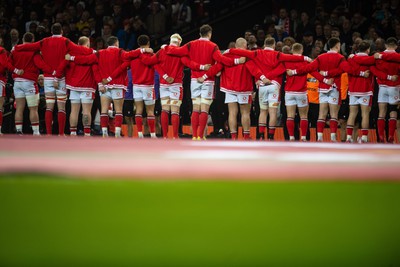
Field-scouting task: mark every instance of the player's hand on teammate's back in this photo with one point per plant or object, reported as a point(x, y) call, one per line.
point(68, 57)
point(20, 72)
point(170, 80)
point(395, 78)
point(200, 79)
point(290, 72)
point(102, 89)
point(207, 66)
point(242, 60)
point(377, 56)
point(266, 81)
point(367, 73)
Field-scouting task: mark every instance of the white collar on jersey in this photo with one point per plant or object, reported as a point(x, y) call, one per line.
point(331, 51)
point(268, 48)
point(389, 51)
point(204, 39)
point(112, 46)
point(361, 54)
point(56, 35)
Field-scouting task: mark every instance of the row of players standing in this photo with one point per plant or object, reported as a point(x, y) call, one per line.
point(108, 68)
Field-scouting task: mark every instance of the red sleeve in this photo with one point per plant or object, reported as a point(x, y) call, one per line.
point(86, 60)
point(131, 55)
point(214, 70)
point(97, 73)
point(367, 60)
point(61, 68)
point(291, 58)
point(313, 66)
point(346, 67)
point(78, 49)
point(253, 69)
point(243, 53)
point(391, 57)
point(378, 73)
point(217, 56)
point(29, 47)
point(178, 51)
point(120, 69)
point(277, 71)
point(190, 64)
point(317, 76)
point(149, 60)
point(39, 63)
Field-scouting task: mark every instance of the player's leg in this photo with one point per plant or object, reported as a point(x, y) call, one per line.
point(195, 89)
point(398, 123)
point(273, 102)
point(149, 102)
point(291, 106)
point(232, 101)
point(139, 107)
point(19, 113)
point(33, 103)
point(383, 100)
point(365, 111)
point(334, 106)
point(302, 105)
point(75, 99)
point(262, 119)
point(245, 119)
point(61, 95)
point(117, 96)
point(50, 95)
point(176, 97)
point(207, 94)
point(352, 118)
point(105, 100)
point(394, 95)
point(87, 99)
point(165, 110)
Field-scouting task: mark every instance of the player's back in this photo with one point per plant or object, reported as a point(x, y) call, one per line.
point(142, 74)
point(53, 50)
point(296, 82)
point(389, 67)
point(109, 59)
point(202, 50)
point(237, 77)
point(329, 61)
point(3, 62)
point(24, 60)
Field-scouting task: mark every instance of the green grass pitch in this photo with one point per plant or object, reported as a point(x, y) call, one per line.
point(52, 221)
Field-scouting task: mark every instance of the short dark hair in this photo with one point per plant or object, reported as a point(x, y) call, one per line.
point(112, 40)
point(364, 46)
point(391, 41)
point(56, 28)
point(143, 40)
point(269, 41)
point(332, 42)
point(205, 29)
point(28, 37)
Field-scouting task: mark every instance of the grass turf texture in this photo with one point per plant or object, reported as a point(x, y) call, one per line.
point(69, 222)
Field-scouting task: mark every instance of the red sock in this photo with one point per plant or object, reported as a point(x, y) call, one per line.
point(290, 126)
point(271, 132)
point(86, 130)
point(333, 125)
point(246, 135)
point(234, 135)
point(261, 128)
point(349, 130)
point(202, 123)
point(139, 123)
point(364, 132)
point(175, 123)
point(151, 121)
point(164, 122)
point(118, 120)
point(104, 120)
point(320, 126)
point(304, 127)
point(392, 128)
point(62, 118)
point(49, 121)
point(195, 123)
point(381, 129)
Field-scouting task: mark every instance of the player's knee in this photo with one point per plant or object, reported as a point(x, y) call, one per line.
point(176, 103)
point(206, 101)
point(32, 100)
point(62, 98)
point(149, 102)
point(165, 102)
point(273, 105)
point(196, 101)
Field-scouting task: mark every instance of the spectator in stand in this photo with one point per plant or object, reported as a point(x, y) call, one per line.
point(327, 31)
point(98, 17)
point(359, 23)
point(280, 34)
point(139, 28)
point(33, 16)
point(126, 36)
point(260, 37)
point(284, 21)
point(138, 10)
point(84, 21)
point(181, 14)
point(379, 45)
point(308, 43)
point(117, 17)
point(346, 34)
point(99, 44)
point(252, 43)
point(106, 33)
point(279, 46)
point(315, 52)
point(155, 21)
point(289, 41)
point(13, 41)
point(319, 32)
point(304, 26)
point(320, 43)
point(247, 34)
